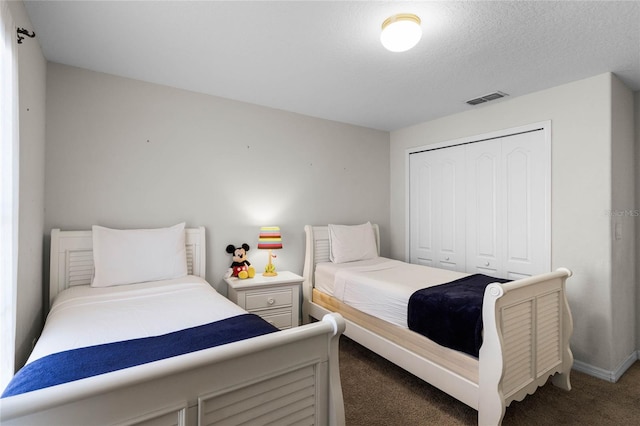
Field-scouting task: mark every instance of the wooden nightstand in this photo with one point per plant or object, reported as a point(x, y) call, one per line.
point(276, 299)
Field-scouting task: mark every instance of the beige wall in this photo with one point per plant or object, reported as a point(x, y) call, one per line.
point(124, 153)
point(581, 116)
point(32, 77)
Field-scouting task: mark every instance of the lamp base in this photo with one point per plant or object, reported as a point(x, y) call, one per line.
point(270, 269)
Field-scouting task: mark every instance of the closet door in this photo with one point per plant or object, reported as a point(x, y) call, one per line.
point(422, 225)
point(484, 207)
point(508, 206)
point(526, 204)
point(437, 220)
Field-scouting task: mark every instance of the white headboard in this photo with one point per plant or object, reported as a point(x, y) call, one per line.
point(72, 258)
point(317, 250)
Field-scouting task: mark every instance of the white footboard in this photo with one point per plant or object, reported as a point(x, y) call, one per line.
point(527, 327)
point(283, 377)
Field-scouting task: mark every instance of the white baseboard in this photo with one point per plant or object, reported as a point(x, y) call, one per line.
point(610, 376)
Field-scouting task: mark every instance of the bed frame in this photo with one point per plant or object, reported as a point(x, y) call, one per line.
point(289, 376)
point(527, 326)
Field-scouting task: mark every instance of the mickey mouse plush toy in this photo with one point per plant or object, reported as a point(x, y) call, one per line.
point(240, 267)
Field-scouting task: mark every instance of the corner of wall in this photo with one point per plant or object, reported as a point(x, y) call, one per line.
point(637, 208)
point(32, 104)
point(623, 222)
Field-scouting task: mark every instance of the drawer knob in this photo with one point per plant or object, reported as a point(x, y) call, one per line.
point(271, 301)
point(486, 264)
point(446, 258)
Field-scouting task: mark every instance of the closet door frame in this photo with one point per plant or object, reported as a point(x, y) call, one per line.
point(543, 126)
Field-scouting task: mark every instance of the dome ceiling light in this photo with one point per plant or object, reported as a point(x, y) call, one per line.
point(401, 32)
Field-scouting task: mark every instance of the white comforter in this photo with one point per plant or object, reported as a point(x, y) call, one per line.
point(380, 287)
point(83, 316)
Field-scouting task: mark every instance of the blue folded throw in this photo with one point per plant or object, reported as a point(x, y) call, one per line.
point(450, 314)
point(90, 361)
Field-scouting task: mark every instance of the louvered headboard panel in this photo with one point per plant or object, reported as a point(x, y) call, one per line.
point(320, 244)
point(72, 258)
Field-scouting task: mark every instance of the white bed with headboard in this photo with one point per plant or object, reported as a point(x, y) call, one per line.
point(289, 375)
point(526, 330)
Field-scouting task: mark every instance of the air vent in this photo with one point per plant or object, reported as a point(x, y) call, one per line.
point(487, 98)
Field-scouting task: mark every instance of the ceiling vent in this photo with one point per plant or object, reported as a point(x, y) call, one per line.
point(487, 98)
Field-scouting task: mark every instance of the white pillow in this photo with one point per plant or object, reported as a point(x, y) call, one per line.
point(351, 243)
point(138, 255)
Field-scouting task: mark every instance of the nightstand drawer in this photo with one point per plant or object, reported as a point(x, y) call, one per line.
point(272, 299)
point(281, 319)
point(276, 299)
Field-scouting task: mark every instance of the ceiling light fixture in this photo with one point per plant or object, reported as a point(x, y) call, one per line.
point(401, 32)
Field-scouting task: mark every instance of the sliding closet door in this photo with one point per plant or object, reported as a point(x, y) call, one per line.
point(484, 210)
point(526, 205)
point(508, 206)
point(422, 187)
point(436, 213)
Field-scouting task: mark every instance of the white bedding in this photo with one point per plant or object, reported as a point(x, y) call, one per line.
point(83, 316)
point(380, 287)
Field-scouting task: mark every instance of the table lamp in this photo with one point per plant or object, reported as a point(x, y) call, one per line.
point(270, 239)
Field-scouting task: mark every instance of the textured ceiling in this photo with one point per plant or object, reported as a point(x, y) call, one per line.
point(324, 58)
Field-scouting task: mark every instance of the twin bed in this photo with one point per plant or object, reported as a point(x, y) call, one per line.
point(146, 340)
point(135, 337)
point(523, 326)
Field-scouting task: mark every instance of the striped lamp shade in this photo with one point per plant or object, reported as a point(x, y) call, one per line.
point(270, 238)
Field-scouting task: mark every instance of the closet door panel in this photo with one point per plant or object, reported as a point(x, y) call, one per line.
point(421, 216)
point(484, 215)
point(437, 221)
point(450, 209)
point(518, 236)
point(526, 222)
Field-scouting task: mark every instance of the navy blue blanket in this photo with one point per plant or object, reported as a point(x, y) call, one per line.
point(80, 363)
point(451, 314)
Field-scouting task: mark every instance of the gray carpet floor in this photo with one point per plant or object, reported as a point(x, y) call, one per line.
point(376, 392)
